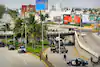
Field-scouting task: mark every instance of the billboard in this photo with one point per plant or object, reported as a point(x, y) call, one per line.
point(41, 5)
point(23, 9)
point(88, 18)
point(75, 19)
point(27, 9)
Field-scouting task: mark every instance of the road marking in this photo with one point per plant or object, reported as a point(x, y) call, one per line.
point(25, 62)
point(77, 54)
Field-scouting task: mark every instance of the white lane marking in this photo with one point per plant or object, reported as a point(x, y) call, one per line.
point(25, 62)
point(22, 59)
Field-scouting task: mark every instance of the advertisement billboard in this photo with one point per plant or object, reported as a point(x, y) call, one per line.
point(72, 19)
point(23, 10)
point(41, 5)
point(88, 18)
point(26, 9)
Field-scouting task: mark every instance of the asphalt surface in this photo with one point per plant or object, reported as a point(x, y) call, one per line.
point(13, 59)
point(91, 42)
point(58, 61)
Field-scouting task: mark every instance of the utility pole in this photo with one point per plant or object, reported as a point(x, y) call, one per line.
point(80, 25)
point(25, 36)
point(42, 19)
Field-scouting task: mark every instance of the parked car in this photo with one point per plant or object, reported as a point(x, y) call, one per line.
point(80, 62)
point(56, 49)
point(2, 44)
point(11, 47)
point(22, 49)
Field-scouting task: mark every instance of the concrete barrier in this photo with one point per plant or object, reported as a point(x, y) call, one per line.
point(84, 47)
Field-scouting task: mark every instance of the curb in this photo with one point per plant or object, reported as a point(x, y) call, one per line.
point(38, 58)
point(44, 51)
point(44, 54)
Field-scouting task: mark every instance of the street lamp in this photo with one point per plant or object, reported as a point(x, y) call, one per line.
point(6, 33)
point(25, 34)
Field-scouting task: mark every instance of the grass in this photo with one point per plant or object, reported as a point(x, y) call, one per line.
point(36, 50)
point(45, 42)
point(50, 23)
point(79, 24)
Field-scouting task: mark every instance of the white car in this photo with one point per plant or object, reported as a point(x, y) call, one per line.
point(22, 49)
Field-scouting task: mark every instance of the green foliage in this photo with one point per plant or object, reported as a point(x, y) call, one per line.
point(13, 13)
point(42, 17)
point(47, 15)
point(50, 23)
point(33, 29)
point(36, 50)
point(45, 42)
point(2, 10)
point(19, 28)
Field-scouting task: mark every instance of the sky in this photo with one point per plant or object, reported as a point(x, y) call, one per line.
point(65, 3)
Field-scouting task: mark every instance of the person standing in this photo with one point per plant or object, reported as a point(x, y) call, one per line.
point(46, 57)
point(65, 57)
point(40, 56)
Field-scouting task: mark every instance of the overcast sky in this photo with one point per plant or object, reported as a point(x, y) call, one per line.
point(67, 3)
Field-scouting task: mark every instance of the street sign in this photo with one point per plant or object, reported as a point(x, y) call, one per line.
point(41, 5)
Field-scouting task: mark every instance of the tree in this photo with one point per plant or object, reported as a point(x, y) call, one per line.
point(7, 27)
point(19, 27)
point(2, 10)
point(13, 13)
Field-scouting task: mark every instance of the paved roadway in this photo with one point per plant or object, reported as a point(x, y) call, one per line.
point(73, 52)
point(91, 41)
point(13, 59)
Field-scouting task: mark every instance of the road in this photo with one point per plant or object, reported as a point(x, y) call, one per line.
point(13, 59)
point(73, 52)
point(91, 41)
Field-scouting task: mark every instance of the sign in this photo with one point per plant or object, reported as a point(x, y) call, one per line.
point(72, 19)
point(23, 10)
point(41, 4)
point(88, 18)
point(27, 9)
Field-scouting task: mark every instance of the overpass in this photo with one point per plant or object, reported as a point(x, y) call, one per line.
point(62, 35)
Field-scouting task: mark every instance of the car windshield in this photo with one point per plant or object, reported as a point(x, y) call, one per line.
point(22, 47)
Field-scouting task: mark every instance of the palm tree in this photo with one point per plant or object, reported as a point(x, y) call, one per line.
point(19, 28)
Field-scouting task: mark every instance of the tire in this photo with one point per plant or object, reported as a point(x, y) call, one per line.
point(53, 51)
point(57, 52)
point(83, 64)
point(66, 51)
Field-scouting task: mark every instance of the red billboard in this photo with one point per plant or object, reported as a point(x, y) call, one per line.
point(71, 19)
point(24, 9)
point(27, 8)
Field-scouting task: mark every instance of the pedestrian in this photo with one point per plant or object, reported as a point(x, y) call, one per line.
point(40, 56)
point(76, 61)
point(46, 57)
point(91, 59)
point(65, 57)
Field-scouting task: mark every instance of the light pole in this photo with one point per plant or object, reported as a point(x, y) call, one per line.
point(59, 39)
point(6, 35)
point(25, 34)
point(80, 24)
point(42, 37)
